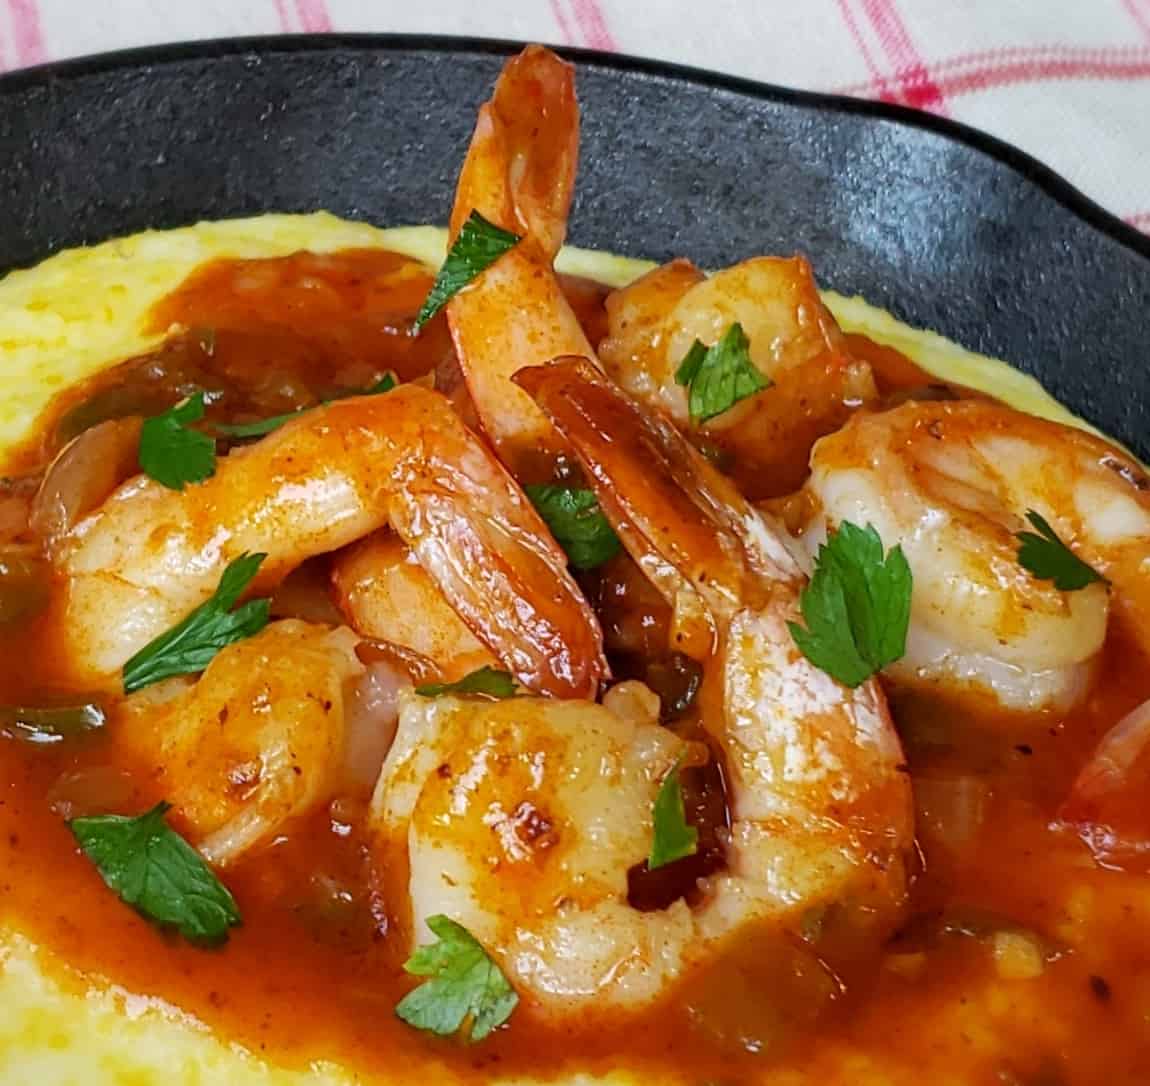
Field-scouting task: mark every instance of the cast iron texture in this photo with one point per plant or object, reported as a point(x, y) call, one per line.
point(947, 227)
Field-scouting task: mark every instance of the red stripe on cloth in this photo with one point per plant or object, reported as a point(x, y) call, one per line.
point(313, 16)
point(27, 39)
point(284, 14)
point(561, 19)
point(878, 81)
point(961, 74)
point(1140, 15)
point(914, 80)
point(1040, 70)
point(589, 15)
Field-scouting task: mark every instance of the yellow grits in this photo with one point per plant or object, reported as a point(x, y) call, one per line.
point(84, 310)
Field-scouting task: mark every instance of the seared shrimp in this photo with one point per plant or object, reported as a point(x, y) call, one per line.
point(385, 594)
point(951, 483)
point(519, 174)
point(794, 341)
point(148, 555)
point(258, 739)
point(520, 819)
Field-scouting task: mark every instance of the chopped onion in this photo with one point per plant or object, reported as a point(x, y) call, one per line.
point(82, 476)
point(1106, 806)
point(951, 810)
point(370, 714)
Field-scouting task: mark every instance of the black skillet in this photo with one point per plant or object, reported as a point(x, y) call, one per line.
point(945, 226)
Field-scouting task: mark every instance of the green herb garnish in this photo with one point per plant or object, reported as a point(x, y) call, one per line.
point(486, 680)
point(190, 646)
point(480, 243)
point(577, 523)
point(718, 377)
point(856, 607)
point(465, 985)
point(153, 869)
point(672, 838)
point(1049, 559)
point(174, 454)
point(263, 427)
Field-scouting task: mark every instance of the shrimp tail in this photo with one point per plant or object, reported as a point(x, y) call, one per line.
point(520, 168)
point(647, 475)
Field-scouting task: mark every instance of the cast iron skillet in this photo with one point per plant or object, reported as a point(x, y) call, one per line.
point(947, 227)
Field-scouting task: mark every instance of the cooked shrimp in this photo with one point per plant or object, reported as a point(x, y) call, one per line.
point(520, 819)
point(148, 555)
point(519, 174)
point(951, 483)
point(258, 739)
point(385, 594)
point(794, 341)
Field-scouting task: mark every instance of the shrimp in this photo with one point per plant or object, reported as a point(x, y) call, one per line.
point(794, 341)
point(519, 174)
point(141, 561)
point(257, 740)
point(520, 819)
point(951, 483)
point(385, 594)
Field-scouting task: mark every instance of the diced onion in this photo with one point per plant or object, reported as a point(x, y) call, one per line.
point(371, 715)
point(951, 810)
point(82, 476)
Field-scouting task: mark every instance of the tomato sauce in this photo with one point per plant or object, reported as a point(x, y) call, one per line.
point(314, 970)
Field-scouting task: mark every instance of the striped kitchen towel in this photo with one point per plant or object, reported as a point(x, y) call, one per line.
point(1069, 81)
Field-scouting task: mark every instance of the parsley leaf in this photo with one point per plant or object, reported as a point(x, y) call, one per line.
point(158, 873)
point(174, 454)
point(857, 606)
point(486, 680)
point(672, 838)
point(577, 522)
point(465, 983)
point(262, 427)
point(480, 243)
point(719, 377)
point(190, 645)
point(1049, 559)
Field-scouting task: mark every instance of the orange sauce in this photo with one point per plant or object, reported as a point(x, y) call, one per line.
point(314, 971)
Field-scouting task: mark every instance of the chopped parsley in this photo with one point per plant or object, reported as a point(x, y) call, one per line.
point(480, 243)
point(263, 427)
point(718, 377)
point(174, 454)
point(672, 838)
point(190, 646)
point(856, 607)
point(487, 681)
point(1049, 559)
point(153, 869)
point(465, 985)
point(576, 522)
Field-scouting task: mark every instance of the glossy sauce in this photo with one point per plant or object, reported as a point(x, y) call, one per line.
point(315, 969)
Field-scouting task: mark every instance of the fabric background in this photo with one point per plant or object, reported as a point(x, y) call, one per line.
point(1066, 80)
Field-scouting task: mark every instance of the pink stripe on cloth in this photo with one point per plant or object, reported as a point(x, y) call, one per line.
point(284, 14)
point(966, 72)
point(27, 39)
point(313, 16)
point(878, 81)
point(589, 15)
point(1140, 221)
point(916, 86)
point(1140, 14)
point(561, 19)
